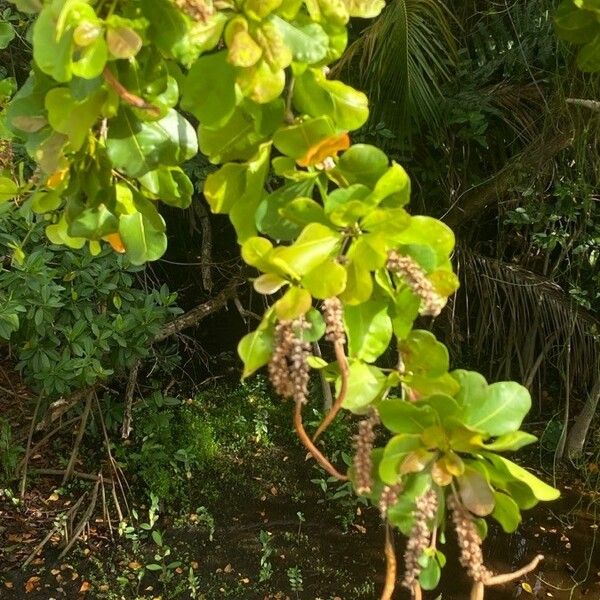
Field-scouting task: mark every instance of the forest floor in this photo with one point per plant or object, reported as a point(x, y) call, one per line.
point(258, 521)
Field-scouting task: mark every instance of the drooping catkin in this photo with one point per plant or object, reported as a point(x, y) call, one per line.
point(414, 276)
point(333, 313)
point(469, 541)
point(363, 444)
point(288, 367)
point(420, 536)
point(389, 497)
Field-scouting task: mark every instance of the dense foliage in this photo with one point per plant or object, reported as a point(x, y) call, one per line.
point(106, 115)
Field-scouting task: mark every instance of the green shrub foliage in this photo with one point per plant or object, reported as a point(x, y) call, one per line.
point(71, 318)
point(122, 93)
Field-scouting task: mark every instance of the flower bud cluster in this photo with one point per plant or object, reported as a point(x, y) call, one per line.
point(363, 443)
point(389, 497)
point(288, 367)
point(199, 10)
point(469, 541)
point(420, 535)
point(414, 276)
point(333, 314)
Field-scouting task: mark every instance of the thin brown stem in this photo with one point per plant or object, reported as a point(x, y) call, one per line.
point(477, 591)
point(507, 577)
point(390, 565)
point(335, 409)
point(316, 454)
point(417, 592)
point(75, 452)
point(127, 96)
point(28, 449)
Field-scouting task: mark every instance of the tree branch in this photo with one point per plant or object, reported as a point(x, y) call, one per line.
point(506, 577)
point(390, 565)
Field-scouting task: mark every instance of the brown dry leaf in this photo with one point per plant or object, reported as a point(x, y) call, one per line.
point(32, 584)
point(227, 569)
point(86, 586)
point(245, 580)
point(194, 564)
point(9, 585)
point(134, 565)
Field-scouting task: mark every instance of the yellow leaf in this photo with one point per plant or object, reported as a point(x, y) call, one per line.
point(135, 565)
point(86, 586)
point(527, 587)
point(324, 149)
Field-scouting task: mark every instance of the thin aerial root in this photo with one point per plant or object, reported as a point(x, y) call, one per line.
point(507, 577)
point(477, 591)
point(417, 591)
point(335, 409)
point(299, 426)
point(390, 564)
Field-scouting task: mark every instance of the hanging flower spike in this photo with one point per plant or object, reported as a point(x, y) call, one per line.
point(389, 497)
point(414, 276)
point(419, 539)
point(199, 10)
point(363, 464)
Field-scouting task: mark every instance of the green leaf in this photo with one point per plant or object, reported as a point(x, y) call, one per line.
point(401, 416)
point(359, 284)
point(392, 188)
point(71, 117)
point(573, 24)
point(178, 36)
point(7, 34)
point(296, 140)
point(8, 189)
point(506, 512)
point(514, 440)
point(542, 491)
point(255, 350)
point(295, 302)
point(363, 163)
point(404, 312)
point(402, 513)
point(308, 43)
point(424, 355)
point(143, 238)
point(367, 9)
point(397, 448)
point(369, 329)
point(315, 95)
point(313, 247)
point(136, 147)
point(209, 90)
point(94, 223)
point(169, 184)
point(428, 231)
point(224, 187)
point(430, 575)
point(588, 59)
point(500, 410)
point(326, 280)
point(365, 384)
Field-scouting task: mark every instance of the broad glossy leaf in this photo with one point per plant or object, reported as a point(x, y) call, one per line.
point(573, 24)
point(209, 90)
point(514, 440)
point(169, 184)
point(431, 232)
point(401, 416)
point(308, 42)
point(296, 140)
point(395, 451)
point(269, 283)
point(94, 223)
point(255, 350)
point(136, 147)
point(365, 384)
point(363, 163)
point(295, 303)
point(429, 577)
point(367, 9)
point(423, 354)
point(8, 189)
point(359, 284)
point(506, 512)
point(588, 59)
point(52, 53)
point(142, 238)
point(542, 491)
point(7, 34)
point(392, 188)
point(224, 187)
point(404, 312)
point(369, 329)
point(326, 280)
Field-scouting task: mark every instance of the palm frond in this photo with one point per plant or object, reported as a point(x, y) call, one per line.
point(403, 58)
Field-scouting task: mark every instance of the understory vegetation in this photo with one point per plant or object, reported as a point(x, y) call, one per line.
point(184, 184)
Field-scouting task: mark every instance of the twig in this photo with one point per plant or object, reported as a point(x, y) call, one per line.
point(477, 591)
point(84, 520)
point(311, 447)
point(507, 577)
point(129, 392)
point(74, 453)
point(591, 104)
point(127, 96)
point(28, 449)
point(417, 592)
point(78, 474)
point(390, 565)
point(330, 416)
point(206, 248)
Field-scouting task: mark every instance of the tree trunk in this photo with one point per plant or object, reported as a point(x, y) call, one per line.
point(579, 431)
